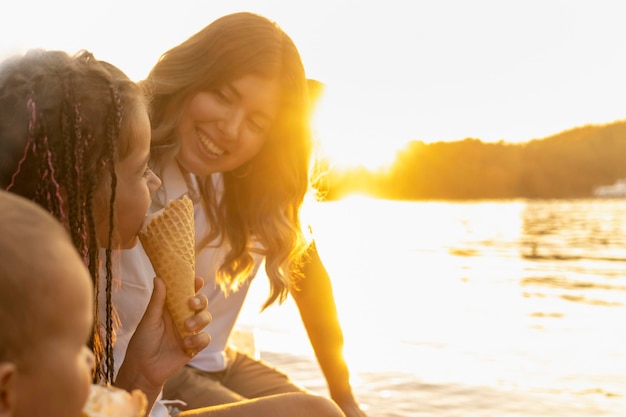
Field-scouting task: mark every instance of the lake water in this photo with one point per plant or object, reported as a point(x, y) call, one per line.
point(490, 308)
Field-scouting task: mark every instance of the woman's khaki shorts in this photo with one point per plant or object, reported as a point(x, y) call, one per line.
point(244, 378)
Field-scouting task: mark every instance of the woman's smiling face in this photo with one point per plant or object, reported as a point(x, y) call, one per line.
point(221, 130)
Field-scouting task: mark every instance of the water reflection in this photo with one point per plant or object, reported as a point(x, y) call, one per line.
point(519, 302)
point(580, 246)
point(573, 230)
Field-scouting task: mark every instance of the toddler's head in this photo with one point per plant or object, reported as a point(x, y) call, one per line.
point(46, 317)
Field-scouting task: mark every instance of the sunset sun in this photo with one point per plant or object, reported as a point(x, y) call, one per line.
point(343, 137)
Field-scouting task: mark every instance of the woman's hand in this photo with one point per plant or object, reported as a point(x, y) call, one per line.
point(350, 408)
point(155, 350)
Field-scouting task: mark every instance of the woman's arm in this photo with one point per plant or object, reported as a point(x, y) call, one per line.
point(318, 311)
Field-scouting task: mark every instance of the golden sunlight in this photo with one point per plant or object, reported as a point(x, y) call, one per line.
point(341, 138)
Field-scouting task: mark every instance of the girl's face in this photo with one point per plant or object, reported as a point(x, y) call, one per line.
point(221, 130)
point(135, 183)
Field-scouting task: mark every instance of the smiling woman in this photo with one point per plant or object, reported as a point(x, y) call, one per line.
point(222, 129)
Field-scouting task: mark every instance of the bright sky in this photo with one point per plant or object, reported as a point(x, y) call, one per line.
point(395, 70)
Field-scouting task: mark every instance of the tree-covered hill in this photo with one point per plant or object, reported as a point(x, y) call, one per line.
point(566, 165)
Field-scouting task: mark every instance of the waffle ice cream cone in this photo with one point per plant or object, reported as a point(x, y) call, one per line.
point(108, 401)
point(167, 237)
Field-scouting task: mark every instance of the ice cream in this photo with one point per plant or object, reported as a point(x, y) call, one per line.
point(167, 237)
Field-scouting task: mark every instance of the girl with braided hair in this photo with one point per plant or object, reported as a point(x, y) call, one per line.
point(74, 138)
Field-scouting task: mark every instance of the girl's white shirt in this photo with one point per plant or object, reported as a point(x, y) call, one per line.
point(133, 283)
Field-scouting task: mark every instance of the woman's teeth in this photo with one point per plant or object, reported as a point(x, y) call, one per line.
point(209, 145)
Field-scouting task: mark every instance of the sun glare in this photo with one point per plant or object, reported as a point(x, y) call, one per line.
point(346, 142)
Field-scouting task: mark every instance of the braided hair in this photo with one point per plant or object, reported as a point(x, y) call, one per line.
point(61, 135)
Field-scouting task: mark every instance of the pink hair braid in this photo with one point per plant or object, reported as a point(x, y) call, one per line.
point(29, 144)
